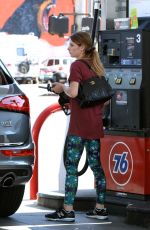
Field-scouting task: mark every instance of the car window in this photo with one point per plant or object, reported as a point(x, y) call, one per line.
point(53, 62)
point(64, 61)
point(56, 61)
point(20, 51)
point(50, 62)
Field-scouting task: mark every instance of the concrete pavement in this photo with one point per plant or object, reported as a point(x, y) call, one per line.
point(30, 216)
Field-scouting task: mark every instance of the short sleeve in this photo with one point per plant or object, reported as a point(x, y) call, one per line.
point(75, 72)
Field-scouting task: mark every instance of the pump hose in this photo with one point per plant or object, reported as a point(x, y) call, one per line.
point(83, 170)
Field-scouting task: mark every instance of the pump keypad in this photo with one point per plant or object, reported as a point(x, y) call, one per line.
point(118, 80)
point(132, 81)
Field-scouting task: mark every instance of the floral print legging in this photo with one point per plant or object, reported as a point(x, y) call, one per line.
point(74, 147)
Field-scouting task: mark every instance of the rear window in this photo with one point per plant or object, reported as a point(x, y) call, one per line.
point(5, 77)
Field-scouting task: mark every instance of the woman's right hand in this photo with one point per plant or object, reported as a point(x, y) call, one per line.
point(57, 87)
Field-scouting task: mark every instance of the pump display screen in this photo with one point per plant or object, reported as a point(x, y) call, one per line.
point(131, 49)
point(130, 46)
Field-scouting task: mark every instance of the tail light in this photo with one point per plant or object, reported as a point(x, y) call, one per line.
point(13, 153)
point(18, 103)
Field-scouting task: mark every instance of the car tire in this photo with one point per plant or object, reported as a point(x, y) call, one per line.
point(10, 199)
point(34, 81)
point(24, 67)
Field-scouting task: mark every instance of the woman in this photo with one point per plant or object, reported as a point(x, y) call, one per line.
point(85, 129)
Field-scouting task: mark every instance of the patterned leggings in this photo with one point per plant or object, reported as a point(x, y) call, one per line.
point(73, 149)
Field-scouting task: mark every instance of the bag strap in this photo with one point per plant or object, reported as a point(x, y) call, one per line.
point(87, 64)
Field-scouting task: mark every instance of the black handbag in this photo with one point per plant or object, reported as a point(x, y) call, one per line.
point(93, 91)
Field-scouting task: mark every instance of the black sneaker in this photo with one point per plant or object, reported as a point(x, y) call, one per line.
point(61, 215)
point(100, 214)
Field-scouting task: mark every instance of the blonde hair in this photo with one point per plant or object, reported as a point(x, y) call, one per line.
point(90, 53)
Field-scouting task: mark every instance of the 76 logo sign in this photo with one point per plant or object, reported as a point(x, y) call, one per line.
point(120, 163)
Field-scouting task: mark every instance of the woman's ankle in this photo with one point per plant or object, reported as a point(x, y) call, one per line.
point(68, 208)
point(99, 206)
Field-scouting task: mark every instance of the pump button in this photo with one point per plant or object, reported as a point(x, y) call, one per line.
point(118, 80)
point(132, 81)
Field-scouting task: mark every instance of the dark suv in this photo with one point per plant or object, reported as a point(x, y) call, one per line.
point(16, 143)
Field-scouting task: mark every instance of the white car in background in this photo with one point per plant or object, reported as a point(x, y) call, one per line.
point(25, 71)
point(55, 69)
point(21, 56)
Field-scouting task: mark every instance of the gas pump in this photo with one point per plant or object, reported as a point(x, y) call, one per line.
point(125, 149)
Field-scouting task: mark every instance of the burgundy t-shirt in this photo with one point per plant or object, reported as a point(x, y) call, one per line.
point(84, 122)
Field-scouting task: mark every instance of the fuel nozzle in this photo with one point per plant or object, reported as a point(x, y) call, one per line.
point(49, 87)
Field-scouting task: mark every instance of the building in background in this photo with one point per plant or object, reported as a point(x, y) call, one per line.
point(21, 18)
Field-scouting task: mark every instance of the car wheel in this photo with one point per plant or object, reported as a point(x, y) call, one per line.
point(24, 67)
point(10, 199)
point(34, 81)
